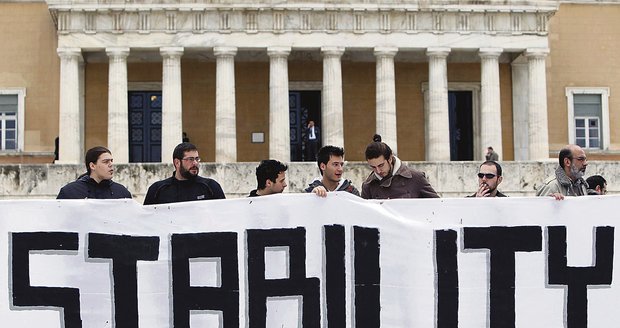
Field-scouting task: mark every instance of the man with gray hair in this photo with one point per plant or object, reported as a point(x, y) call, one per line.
point(568, 178)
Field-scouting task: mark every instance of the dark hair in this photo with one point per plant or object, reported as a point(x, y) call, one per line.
point(92, 155)
point(378, 148)
point(268, 169)
point(566, 152)
point(497, 166)
point(180, 149)
point(325, 153)
point(596, 180)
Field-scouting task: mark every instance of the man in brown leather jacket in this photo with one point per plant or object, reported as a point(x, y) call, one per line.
point(390, 178)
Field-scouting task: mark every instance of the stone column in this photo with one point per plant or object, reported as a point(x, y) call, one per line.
point(71, 120)
point(225, 110)
point(520, 108)
point(172, 102)
point(332, 129)
point(537, 104)
point(386, 96)
point(279, 129)
point(490, 106)
point(118, 119)
point(437, 120)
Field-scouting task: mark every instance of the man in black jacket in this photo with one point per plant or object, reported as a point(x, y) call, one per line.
point(270, 178)
point(97, 181)
point(489, 178)
point(312, 139)
point(184, 185)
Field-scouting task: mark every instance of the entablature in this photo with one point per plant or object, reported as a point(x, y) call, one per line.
point(301, 17)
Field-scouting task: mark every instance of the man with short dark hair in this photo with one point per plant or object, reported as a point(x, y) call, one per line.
point(568, 178)
point(491, 154)
point(489, 177)
point(597, 185)
point(313, 139)
point(97, 181)
point(330, 161)
point(390, 178)
point(185, 184)
point(270, 178)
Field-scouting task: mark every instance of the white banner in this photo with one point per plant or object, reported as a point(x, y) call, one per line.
point(297, 260)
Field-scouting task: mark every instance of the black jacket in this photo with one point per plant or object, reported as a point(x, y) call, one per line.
point(87, 187)
point(499, 194)
point(172, 190)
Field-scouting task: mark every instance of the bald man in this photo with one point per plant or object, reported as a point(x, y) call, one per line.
point(568, 178)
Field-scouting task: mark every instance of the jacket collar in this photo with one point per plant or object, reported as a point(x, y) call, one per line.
point(564, 180)
point(86, 178)
point(397, 169)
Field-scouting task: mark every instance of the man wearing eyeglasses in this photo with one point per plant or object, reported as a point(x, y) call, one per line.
point(185, 184)
point(489, 177)
point(568, 177)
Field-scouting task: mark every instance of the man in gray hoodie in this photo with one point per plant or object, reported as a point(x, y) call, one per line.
point(330, 160)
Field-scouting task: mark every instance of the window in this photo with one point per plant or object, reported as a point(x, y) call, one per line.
point(12, 119)
point(8, 122)
point(587, 132)
point(588, 117)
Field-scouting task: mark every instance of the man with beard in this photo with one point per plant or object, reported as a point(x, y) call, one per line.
point(489, 177)
point(331, 165)
point(568, 178)
point(184, 185)
point(97, 182)
point(390, 178)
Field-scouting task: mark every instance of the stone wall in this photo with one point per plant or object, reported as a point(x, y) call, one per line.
point(450, 179)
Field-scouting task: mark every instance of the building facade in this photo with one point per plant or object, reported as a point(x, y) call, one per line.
point(439, 80)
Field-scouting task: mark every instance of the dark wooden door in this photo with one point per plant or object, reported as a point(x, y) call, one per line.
point(303, 107)
point(461, 126)
point(145, 126)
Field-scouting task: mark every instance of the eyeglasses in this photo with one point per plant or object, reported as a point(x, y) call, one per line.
point(192, 159)
point(581, 158)
point(486, 175)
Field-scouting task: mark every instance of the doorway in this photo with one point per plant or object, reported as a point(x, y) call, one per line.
point(304, 106)
point(145, 119)
point(461, 125)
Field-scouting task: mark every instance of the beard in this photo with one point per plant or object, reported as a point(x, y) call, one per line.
point(491, 190)
point(187, 174)
point(577, 173)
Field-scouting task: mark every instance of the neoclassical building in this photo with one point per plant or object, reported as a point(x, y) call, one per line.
point(440, 80)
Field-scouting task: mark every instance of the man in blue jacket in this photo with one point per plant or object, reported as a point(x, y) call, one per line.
point(97, 181)
point(185, 184)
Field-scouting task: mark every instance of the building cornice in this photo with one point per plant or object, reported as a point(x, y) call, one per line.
point(590, 2)
point(278, 17)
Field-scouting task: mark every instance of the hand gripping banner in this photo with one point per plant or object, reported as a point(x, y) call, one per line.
point(297, 260)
